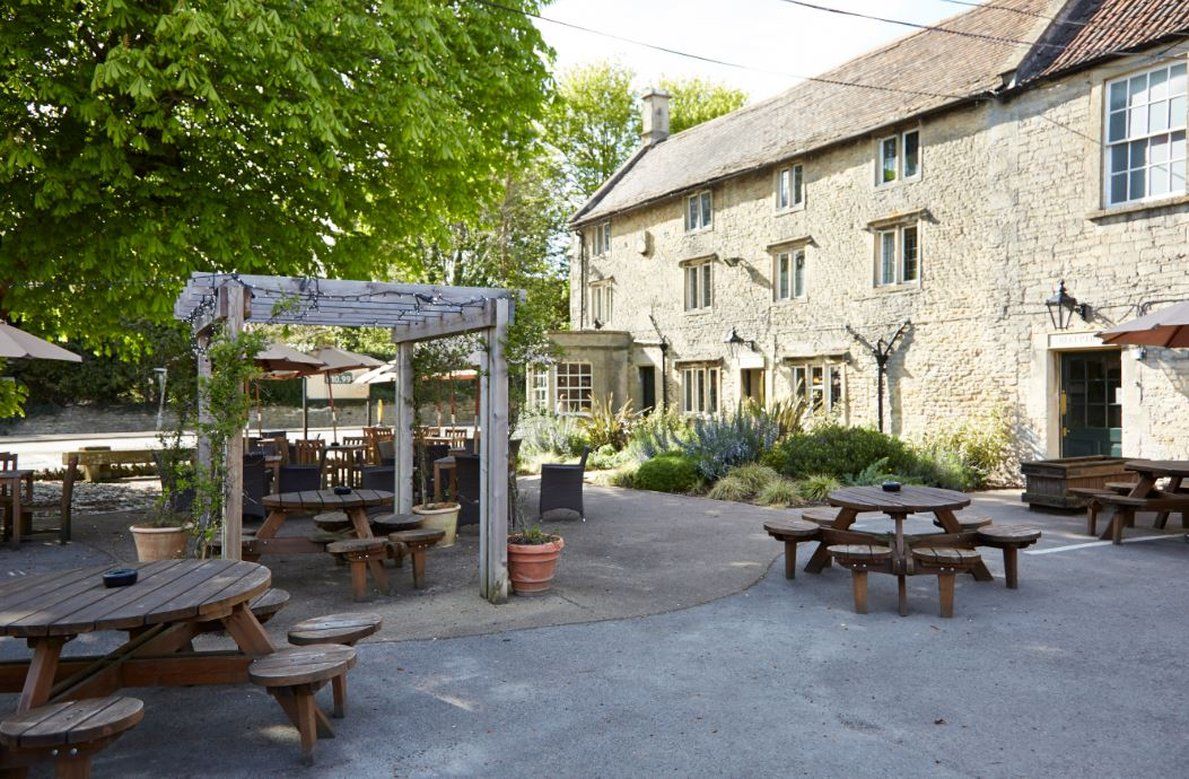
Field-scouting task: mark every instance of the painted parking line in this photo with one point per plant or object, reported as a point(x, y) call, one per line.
point(1088, 544)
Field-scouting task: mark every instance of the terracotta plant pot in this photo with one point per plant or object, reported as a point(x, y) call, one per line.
point(444, 519)
point(531, 566)
point(159, 543)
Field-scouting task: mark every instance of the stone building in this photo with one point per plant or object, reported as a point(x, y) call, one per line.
point(939, 188)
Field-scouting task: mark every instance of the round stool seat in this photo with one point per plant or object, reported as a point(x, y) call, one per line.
point(1008, 534)
point(968, 523)
point(332, 521)
point(421, 536)
point(822, 516)
point(296, 665)
point(71, 722)
point(334, 629)
point(944, 555)
point(268, 603)
point(392, 523)
point(791, 527)
point(860, 551)
point(356, 546)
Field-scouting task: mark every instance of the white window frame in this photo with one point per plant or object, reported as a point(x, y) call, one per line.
point(600, 241)
point(891, 270)
point(573, 388)
point(701, 389)
point(787, 285)
point(1136, 143)
point(699, 211)
point(602, 301)
point(698, 286)
point(789, 194)
point(899, 158)
point(815, 381)
point(538, 387)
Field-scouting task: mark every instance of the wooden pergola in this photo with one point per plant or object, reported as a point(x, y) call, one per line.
point(413, 312)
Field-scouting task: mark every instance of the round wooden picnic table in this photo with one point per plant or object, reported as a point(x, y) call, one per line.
point(280, 506)
point(897, 505)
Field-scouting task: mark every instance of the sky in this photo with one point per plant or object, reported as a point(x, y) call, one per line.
point(780, 41)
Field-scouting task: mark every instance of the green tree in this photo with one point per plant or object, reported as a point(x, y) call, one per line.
point(696, 100)
point(142, 141)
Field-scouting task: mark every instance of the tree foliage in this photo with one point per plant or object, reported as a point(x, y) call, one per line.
point(696, 100)
point(142, 141)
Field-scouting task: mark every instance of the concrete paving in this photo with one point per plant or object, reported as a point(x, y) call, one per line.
point(1074, 674)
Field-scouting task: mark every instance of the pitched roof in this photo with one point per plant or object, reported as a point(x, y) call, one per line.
point(957, 60)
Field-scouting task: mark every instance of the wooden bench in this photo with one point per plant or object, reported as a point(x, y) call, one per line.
point(1011, 539)
point(859, 558)
point(344, 629)
point(823, 517)
point(363, 555)
point(1125, 507)
point(1093, 498)
point(946, 562)
point(72, 732)
point(264, 607)
point(967, 522)
point(386, 524)
point(332, 522)
point(301, 671)
point(414, 542)
point(792, 531)
point(96, 463)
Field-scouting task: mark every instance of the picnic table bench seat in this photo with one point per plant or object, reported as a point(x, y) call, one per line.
point(71, 732)
point(792, 531)
point(946, 562)
point(363, 555)
point(1011, 539)
point(414, 543)
point(967, 521)
point(300, 671)
point(344, 629)
point(859, 558)
point(384, 524)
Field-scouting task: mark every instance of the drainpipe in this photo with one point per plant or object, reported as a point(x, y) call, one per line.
point(583, 270)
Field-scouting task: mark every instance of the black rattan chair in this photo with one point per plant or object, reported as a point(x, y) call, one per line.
point(467, 475)
point(254, 480)
point(296, 478)
point(561, 487)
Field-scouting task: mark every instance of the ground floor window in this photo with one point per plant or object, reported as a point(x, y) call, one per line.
point(575, 384)
point(820, 384)
point(699, 389)
point(538, 388)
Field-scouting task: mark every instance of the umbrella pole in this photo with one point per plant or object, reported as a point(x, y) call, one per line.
point(334, 417)
point(259, 412)
point(305, 410)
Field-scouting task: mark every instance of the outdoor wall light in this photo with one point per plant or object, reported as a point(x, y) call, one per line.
point(1062, 306)
point(734, 341)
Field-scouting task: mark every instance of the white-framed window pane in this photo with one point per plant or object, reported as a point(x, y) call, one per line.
point(799, 273)
point(782, 276)
point(800, 389)
point(817, 387)
point(707, 215)
point(910, 254)
point(691, 288)
point(706, 286)
point(798, 181)
point(835, 396)
point(887, 257)
point(887, 157)
point(1144, 124)
point(782, 188)
point(712, 390)
point(687, 404)
point(912, 154)
point(575, 381)
point(691, 213)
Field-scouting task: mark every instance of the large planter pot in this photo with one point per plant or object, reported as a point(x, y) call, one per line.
point(444, 518)
point(1048, 482)
point(531, 566)
point(159, 543)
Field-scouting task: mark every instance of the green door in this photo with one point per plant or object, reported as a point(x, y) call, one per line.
point(1091, 417)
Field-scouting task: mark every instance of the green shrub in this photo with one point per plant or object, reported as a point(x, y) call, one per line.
point(730, 488)
point(943, 469)
point(607, 425)
point(815, 488)
point(835, 450)
point(668, 473)
point(874, 474)
point(779, 492)
point(720, 442)
point(550, 434)
point(624, 477)
point(659, 432)
point(979, 450)
point(754, 476)
point(605, 458)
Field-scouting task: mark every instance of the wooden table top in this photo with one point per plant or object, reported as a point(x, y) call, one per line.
point(1159, 467)
point(908, 500)
point(327, 500)
point(66, 603)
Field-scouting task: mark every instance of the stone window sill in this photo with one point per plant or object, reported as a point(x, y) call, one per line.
point(1136, 209)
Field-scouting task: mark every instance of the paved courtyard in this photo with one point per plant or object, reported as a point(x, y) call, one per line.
point(1073, 674)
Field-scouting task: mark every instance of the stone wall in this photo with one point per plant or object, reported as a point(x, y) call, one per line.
point(1006, 206)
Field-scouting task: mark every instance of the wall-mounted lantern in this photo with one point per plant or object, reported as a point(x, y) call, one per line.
point(1062, 306)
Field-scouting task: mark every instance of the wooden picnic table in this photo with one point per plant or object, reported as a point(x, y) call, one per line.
point(852, 501)
point(12, 482)
point(280, 506)
point(1144, 494)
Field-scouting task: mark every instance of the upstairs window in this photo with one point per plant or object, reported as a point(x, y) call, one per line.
point(899, 158)
point(601, 240)
point(789, 183)
point(699, 390)
point(897, 256)
point(1144, 135)
point(699, 211)
point(698, 286)
point(790, 275)
point(602, 302)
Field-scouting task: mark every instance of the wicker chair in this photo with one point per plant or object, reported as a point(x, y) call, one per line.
point(296, 478)
point(561, 487)
point(467, 475)
point(255, 476)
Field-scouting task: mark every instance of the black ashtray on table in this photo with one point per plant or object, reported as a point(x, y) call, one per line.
point(120, 577)
point(342, 490)
point(891, 486)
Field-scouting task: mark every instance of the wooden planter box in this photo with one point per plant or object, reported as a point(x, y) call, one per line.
point(1047, 482)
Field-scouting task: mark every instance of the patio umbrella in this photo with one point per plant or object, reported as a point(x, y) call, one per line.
point(340, 361)
point(15, 342)
point(281, 361)
point(1168, 327)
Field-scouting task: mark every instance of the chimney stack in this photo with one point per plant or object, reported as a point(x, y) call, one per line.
point(655, 127)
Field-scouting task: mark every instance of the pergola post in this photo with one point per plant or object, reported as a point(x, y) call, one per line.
point(493, 464)
point(403, 435)
point(231, 533)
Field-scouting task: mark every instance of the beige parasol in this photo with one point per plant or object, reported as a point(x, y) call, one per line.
point(340, 361)
point(15, 342)
point(1167, 327)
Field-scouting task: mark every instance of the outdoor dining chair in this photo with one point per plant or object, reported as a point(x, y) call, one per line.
point(299, 478)
point(561, 487)
point(467, 477)
point(255, 476)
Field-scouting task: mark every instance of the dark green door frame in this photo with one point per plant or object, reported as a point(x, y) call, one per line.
point(1090, 412)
